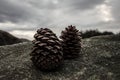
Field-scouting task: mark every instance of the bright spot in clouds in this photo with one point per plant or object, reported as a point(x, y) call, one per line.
point(7, 24)
point(105, 12)
point(23, 34)
point(55, 1)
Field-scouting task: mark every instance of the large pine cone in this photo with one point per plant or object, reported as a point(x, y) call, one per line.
point(71, 42)
point(47, 51)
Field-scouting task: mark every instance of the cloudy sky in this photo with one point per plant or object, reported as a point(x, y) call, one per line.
point(22, 17)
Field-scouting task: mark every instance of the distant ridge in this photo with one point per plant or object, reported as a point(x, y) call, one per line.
point(8, 39)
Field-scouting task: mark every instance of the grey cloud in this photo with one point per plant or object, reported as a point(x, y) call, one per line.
point(81, 4)
point(19, 28)
point(115, 9)
point(17, 11)
point(78, 4)
point(42, 4)
point(39, 11)
point(12, 11)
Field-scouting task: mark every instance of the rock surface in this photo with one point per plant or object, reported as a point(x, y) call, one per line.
point(97, 61)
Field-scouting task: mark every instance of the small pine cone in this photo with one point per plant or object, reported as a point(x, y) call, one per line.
point(71, 42)
point(47, 51)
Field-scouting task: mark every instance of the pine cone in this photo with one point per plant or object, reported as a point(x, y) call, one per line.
point(47, 51)
point(71, 42)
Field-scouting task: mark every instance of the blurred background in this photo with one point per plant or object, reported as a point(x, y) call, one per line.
point(22, 18)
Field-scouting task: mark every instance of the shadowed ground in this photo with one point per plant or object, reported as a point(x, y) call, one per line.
point(99, 60)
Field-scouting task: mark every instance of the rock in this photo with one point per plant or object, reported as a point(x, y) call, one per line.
point(8, 39)
point(15, 63)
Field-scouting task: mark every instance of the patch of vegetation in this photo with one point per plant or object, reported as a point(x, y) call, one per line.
point(91, 33)
point(116, 37)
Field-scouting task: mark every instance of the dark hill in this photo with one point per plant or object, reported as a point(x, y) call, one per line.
point(8, 39)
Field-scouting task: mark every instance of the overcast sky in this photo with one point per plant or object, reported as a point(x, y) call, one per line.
point(23, 17)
